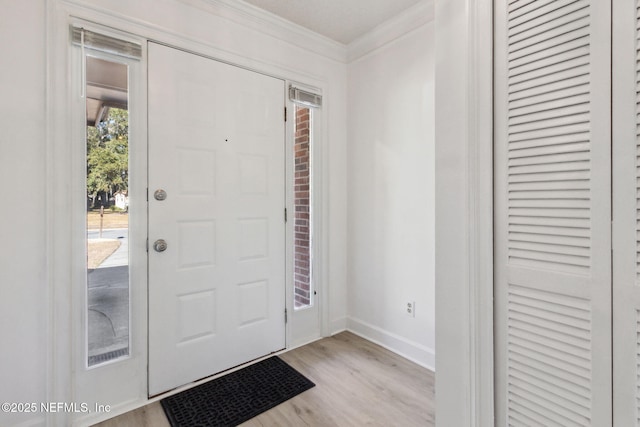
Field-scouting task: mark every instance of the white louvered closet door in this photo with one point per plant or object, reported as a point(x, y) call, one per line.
point(626, 209)
point(553, 212)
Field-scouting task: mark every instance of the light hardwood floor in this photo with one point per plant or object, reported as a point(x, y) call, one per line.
point(358, 383)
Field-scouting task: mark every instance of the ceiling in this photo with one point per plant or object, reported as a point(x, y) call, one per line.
point(340, 20)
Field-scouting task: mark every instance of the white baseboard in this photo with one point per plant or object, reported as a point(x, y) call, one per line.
point(337, 325)
point(417, 353)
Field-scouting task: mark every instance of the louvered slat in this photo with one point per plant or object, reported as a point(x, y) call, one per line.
point(580, 242)
point(553, 102)
point(522, 415)
point(554, 333)
point(537, 134)
point(569, 223)
point(544, 15)
point(539, 386)
point(548, 406)
point(557, 185)
point(549, 336)
point(570, 382)
point(537, 357)
point(550, 167)
point(541, 137)
point(551, 195)
point(541, 78)
point(572, 21)
point(550, 203)
point(566, 110)
point(549, 149)
point(563, 43)
point(576, 85)
point(548, 231)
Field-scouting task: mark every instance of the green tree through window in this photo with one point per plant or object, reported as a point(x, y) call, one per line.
point(108, 157)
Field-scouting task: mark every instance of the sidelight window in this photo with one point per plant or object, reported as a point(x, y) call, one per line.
point(105, 88)
point(107, 187)
point(305, 104)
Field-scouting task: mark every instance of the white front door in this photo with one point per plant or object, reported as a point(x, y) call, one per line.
point(216, 149)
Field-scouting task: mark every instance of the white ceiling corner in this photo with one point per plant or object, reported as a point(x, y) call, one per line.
point(341, 20)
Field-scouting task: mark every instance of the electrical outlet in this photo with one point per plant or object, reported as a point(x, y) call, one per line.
point(410, 309)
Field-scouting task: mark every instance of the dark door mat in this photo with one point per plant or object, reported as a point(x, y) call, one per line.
point(237, 397)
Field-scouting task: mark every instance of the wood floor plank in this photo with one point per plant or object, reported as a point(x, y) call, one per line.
point(357, 383)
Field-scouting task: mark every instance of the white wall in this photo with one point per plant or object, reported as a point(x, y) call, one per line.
point(23, 280)
point(391, 194)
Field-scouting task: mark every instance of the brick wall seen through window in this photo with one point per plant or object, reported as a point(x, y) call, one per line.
point(302, 208)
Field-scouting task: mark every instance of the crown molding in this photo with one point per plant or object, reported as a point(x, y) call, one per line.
point(270, 24)
point(396, 27)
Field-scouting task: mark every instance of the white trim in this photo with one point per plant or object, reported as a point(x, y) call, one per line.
point(411, 19)
point(322, 220)
point(253, 17)
point(624, 215)
point(410, 350)
point(310, 320)
point(480, 89)
point(464, 213)
point(289, 226)
point(59, 372)
point(187, 42)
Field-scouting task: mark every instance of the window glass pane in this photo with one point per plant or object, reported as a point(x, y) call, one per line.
point(107, 188)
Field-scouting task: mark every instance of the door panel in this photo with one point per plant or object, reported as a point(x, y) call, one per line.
point(216, 147)
point(553, 201)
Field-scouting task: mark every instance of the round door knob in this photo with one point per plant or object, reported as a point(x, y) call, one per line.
point(160, 245)
point(160, 195)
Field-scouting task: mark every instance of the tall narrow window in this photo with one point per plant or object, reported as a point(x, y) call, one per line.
point(305, 105)
point(303, 214)
point(107, 195)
